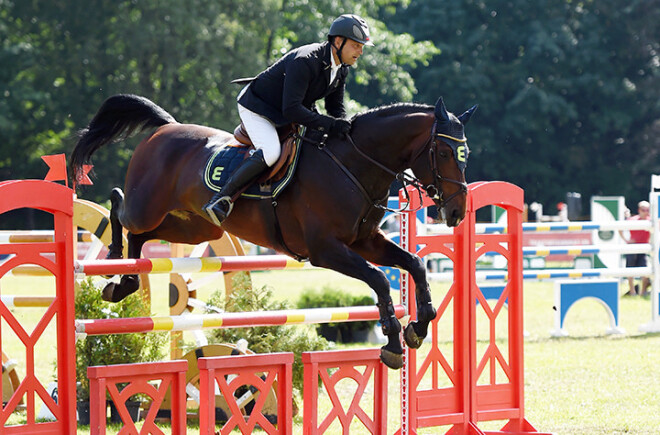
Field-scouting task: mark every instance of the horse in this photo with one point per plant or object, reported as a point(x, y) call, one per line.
point(329, 213)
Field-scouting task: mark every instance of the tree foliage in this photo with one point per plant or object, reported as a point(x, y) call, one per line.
point(569, 88)
point(568, 91)
point(65, 57)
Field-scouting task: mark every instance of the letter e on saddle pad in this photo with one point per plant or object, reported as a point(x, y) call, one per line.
point(227, 158)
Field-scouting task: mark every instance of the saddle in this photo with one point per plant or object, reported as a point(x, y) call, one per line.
point(288, 142)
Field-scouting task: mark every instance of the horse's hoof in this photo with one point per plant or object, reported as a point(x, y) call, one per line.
point(108, 292)
point(113, 292)
point(391, 359)
point(411, 338)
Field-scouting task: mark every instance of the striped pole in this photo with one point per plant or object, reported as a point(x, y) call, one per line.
point(37, 236)
point(30, 271)
point(529, 227)
point(174, 265)
point(27, 301)
point(542, 251)
point(186, 265)
point(552, 274)
point(230, 320)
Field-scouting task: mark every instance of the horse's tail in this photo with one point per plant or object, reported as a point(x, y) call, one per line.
point(119, 117)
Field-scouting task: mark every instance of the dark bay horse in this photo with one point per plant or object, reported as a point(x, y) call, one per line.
point(329, 213)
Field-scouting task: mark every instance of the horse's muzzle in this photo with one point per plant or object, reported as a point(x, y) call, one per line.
point(453, 215)
point(453, 210)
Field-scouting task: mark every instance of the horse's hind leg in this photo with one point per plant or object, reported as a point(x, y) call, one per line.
point(116, 248)
point(173, 228)
point(128, 284)
point(380, 250)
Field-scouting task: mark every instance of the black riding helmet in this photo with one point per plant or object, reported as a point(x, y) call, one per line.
point(352, 27)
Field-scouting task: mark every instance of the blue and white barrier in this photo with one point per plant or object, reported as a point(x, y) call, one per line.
point(567, 293)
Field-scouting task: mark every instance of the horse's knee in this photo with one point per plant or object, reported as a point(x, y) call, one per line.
point(418, 272)
point(380, 284)
point(418, 265)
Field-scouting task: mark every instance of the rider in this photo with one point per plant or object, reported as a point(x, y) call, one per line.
point(286, 93)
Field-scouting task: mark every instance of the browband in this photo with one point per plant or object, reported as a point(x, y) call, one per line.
point(451, 137)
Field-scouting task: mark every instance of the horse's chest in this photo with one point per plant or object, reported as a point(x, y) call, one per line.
point(368, 223)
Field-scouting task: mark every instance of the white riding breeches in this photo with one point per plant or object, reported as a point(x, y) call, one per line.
point(263, 134)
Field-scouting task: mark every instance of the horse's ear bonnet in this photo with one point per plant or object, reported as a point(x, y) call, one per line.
point(450, 130)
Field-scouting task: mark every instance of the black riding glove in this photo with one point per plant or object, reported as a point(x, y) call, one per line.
point(340, 128)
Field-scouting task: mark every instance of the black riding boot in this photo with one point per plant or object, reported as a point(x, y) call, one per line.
point(219, 207)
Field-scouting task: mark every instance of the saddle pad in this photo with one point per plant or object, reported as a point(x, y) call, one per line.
point(226, 159)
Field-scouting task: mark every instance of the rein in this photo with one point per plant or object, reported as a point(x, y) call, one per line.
point(405, 179)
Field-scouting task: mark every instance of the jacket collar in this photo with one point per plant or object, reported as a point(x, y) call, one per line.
point(326, 52)
point(327, 63)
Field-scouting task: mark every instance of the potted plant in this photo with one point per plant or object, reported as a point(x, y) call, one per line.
point(113, 348)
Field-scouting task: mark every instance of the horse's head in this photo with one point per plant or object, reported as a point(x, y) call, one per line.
point(441, 168)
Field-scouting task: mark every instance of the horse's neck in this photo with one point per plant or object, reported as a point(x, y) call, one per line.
point(392, 143)
point(396, 142)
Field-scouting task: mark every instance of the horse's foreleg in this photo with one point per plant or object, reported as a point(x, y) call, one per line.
point(380, 250)
point(417, 330)
point(340, 258)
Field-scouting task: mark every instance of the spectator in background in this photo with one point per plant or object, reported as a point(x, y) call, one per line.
point(562, 212)
point(638, 260)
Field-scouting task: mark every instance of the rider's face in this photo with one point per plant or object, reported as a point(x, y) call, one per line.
point(351, 52)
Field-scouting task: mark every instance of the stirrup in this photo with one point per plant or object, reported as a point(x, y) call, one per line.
point(208, 208)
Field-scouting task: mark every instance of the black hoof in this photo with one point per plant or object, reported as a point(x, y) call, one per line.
point(391, 359)
point(411, 338)
point(128, 285)
point(108, 291)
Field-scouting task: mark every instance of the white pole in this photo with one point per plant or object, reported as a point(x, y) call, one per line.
point(654, 199)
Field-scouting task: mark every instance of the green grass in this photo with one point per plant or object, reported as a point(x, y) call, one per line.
point(588, 383)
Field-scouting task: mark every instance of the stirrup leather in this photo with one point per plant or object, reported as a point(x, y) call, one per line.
point(211, 205)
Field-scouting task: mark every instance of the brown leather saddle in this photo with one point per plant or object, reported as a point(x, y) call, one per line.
point(289, 144)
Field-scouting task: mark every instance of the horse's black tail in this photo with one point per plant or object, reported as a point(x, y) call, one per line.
point(119, 117)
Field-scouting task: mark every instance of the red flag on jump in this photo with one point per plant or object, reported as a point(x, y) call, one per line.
point(57, 168)
point(84, 178)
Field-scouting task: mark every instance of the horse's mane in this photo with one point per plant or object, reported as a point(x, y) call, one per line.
point(394, 109)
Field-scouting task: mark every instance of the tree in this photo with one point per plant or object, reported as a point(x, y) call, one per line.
point(64, 57)
point(568, 90)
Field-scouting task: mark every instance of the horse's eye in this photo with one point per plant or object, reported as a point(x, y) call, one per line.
point(443, 155)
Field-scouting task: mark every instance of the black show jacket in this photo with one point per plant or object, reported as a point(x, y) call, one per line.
point(287, 91)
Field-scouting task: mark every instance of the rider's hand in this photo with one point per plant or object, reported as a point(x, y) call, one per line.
point(340, 128)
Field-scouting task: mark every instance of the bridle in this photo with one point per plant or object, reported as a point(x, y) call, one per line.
point(431, 190)
point(405, 179)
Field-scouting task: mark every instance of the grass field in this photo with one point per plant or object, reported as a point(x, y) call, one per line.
point(588, 383)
